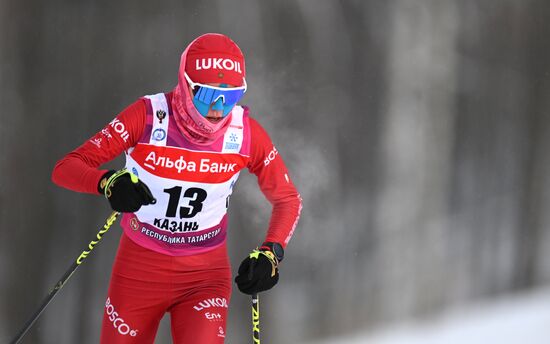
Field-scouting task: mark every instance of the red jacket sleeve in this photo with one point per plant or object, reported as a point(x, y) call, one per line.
point(78, 170)
point(274, 181)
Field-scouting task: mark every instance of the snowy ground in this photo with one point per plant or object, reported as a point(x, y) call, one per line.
point(523, 319)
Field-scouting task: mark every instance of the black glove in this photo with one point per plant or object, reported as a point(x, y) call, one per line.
point(260, 270)
point(125, 192)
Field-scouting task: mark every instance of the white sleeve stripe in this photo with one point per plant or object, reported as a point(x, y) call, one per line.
point(295, 221)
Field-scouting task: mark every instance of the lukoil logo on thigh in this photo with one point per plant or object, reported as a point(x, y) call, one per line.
point(122, 327)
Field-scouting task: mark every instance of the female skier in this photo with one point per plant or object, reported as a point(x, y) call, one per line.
point(184, 152)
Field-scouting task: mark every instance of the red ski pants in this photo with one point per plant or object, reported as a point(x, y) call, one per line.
point(144, 285)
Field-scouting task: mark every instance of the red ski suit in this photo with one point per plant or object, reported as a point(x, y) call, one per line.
point(148, 281)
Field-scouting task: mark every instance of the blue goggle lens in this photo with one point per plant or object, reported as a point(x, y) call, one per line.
point(222, 97)
point(209, 95)
point(203, 107)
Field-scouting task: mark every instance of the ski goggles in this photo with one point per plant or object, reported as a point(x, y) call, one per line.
point(210, 94)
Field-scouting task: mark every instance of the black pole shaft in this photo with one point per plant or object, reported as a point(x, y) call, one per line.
point(256, 318)
point(110, 220)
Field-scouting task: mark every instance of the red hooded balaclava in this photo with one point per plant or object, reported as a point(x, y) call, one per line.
point(210, 58)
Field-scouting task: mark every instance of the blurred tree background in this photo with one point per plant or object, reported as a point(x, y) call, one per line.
point(416, 131)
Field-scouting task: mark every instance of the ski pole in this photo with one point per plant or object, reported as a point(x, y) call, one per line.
point(256, 318)
point(108, 223)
